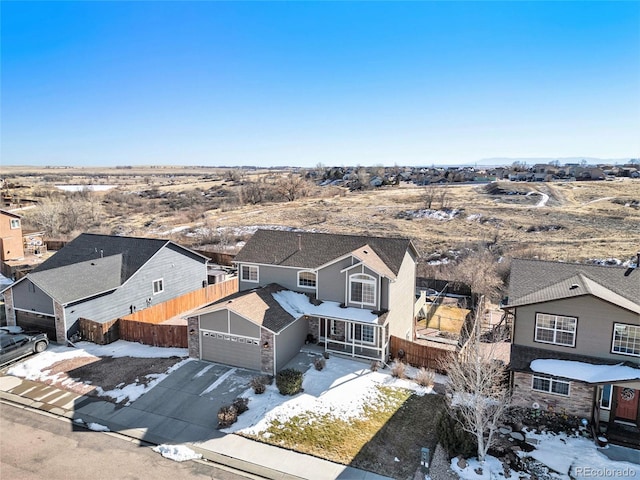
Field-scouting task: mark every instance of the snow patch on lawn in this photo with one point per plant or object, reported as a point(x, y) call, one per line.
point(342, 389)
point(178, 453)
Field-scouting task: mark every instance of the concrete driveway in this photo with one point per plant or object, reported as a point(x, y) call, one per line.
point(183, 407)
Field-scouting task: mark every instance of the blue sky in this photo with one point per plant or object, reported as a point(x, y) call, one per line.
point(302, 83)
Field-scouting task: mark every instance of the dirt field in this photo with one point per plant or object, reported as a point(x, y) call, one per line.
point(571, 221)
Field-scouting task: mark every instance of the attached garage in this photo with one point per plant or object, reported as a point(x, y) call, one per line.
point(37, 322)
point(249, 330)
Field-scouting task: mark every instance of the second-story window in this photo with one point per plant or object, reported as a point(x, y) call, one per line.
point(626, 339)
point(307, 279)
point(556, 329)
point(249, 273)
point(362, 289)
point(15, 223)
point(158, 286)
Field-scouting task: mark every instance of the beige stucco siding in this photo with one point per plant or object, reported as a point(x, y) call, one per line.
point(402, 298)
point(594, 332)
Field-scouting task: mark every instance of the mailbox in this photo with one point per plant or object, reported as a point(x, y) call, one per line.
point(424, 459)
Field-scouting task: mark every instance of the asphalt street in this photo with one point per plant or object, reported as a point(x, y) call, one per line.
point(36, 446)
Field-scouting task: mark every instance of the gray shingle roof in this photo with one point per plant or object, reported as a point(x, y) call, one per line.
point(92, 264)
point(311, 250)
point(535, 281)
point(257, 305)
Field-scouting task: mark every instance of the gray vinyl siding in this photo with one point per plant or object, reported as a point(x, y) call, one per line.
point(289, 342)
point(217, 321)
point(181, 274)
point(242, 326)
point(402, 298)
point(287, 277)
point(35, 301)
point(331, 282)
point(594, 332)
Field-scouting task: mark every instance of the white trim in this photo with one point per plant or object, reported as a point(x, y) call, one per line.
point(53, 315)
point(315, 274)
point(216, 332)
point(610, 396)
point(159, 281)
point(352, 336)
point(551, 382)
point(613, 339)
point(271, 265)
point(11, 227)
point(249, 266)
point(346, 269)
point(555, 330)
point(371, 280)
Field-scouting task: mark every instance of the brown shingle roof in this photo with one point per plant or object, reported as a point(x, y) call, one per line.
point(257, 305)
point(312, 250)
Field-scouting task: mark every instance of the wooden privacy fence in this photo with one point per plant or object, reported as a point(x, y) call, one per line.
point(146, 326)
point(164, 311)
point(158, 335)
point(100, 333)
point(419, 355)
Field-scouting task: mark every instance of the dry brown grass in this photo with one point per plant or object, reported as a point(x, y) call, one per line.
point(581, 220)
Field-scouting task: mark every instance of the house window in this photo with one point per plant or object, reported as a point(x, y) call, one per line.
point(249, 273)
point(15, 223)
point(363, 333)
point(307, 279)
point(605, 397)
point(550, 385)
point(158, 286)
point(556, 329)
point(362, 289)
point(626, 339)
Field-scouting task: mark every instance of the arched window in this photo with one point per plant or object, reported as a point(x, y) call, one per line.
point(307, 279)
point(362, 289)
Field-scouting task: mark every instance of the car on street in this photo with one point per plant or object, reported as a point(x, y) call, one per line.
point(17, 345)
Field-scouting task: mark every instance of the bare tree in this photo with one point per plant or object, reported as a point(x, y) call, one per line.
point(429, 195)
point(292, 187)
point(478, 396)
point(481, 272)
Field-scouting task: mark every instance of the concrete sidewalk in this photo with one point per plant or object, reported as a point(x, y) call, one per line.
point(226, 449)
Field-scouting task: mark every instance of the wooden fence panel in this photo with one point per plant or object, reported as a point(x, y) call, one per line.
point(171, 308)
point(100, 333)
point(419, 355)
point(154, 334)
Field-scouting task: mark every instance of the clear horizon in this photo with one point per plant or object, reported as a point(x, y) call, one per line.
point(301, 83)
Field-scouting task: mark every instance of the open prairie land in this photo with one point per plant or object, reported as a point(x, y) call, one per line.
point(199, 206)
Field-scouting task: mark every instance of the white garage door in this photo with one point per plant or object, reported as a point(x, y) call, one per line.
point(229, 349)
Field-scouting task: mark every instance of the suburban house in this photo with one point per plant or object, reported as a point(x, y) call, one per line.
point(101, 277)
point(11, 241)
point(347, 293)
point(576, 342)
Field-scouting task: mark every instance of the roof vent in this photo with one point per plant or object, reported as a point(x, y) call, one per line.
point(574, 286)
point(365, 252)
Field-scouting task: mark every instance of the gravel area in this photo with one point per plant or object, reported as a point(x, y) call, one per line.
point(440, 468)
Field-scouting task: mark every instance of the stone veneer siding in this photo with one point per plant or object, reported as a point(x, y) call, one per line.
point(340, 326)
point(193, 341)
point(61, 325)
point(8, 307)
point(578, 402)
point(267, 353)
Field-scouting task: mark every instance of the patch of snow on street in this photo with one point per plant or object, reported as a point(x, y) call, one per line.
point(96, 427)
point(178, 453)
point(342, 389)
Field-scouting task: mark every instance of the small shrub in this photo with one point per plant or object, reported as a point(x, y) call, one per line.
point(259, 383)
point(453, 438)
point(241, 404)
point(425, 377)
point(375, 365)
point(319, 363)
point(398, 369)
point(289, 381)
point(326, 355)
point(227, 416)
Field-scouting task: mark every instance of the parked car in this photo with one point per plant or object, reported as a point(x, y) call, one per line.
point(18, 345)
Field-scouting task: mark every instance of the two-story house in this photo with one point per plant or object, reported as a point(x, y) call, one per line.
point(11, 243)
point(101, 278)
point(576, 342)
point(348, 293)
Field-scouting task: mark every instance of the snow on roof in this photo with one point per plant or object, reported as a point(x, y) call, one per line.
point(297, 304)
point(585, 372)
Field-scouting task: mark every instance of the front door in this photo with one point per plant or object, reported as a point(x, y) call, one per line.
point(627, 408)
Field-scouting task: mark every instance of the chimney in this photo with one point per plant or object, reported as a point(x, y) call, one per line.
point(300, 243)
